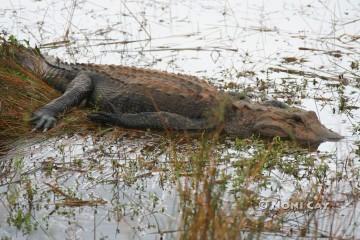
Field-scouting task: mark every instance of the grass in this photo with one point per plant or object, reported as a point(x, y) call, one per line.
point(219, 192)
point(21, 93)
point(219, 205)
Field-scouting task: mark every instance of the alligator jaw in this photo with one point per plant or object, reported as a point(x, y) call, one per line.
point(330, 136)
point(301, 126)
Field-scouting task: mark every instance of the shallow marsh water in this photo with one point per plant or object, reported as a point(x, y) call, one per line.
point(305, 53)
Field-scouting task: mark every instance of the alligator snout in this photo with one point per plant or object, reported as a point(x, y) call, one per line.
point(301, 126)
point(329, 135)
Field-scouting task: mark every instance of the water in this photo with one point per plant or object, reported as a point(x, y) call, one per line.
point(301, 52)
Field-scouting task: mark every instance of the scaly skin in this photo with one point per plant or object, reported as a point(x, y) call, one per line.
point(140, 98)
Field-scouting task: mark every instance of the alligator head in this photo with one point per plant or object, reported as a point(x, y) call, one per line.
point(288, 123)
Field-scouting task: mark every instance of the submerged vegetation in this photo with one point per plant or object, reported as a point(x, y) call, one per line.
point(225, 189)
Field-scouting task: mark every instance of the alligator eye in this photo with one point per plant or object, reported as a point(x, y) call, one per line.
point(297, 119)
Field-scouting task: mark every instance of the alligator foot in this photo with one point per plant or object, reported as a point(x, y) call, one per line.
point(42, 121)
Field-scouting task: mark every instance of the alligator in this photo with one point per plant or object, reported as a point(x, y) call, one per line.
point(140, 98)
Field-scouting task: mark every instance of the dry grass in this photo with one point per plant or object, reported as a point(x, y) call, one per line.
point(22, 92)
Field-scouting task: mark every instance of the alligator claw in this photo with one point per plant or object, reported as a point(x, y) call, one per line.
point(34, 118)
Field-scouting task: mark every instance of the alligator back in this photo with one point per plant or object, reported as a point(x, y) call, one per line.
point(132, 90)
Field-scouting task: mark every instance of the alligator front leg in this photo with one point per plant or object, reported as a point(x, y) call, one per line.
point(152, 120)
point(77, 90)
